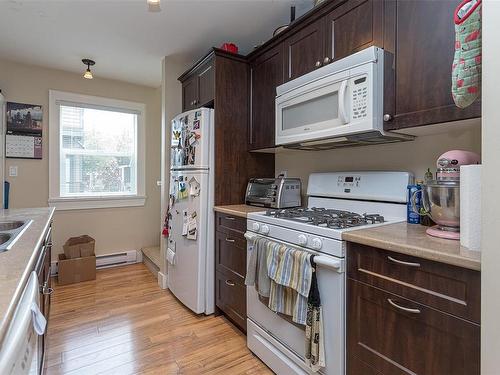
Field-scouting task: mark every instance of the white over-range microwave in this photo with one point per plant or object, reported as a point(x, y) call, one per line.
point(338, 105)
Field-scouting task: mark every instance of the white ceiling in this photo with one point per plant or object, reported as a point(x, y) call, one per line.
point(126, 40)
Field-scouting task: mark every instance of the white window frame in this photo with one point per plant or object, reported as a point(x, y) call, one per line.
point(93, 201)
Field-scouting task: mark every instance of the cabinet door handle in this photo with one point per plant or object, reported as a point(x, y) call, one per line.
point(230, 283)
point(405, 309)
point(229, 218)
point(229, 240)
point(409, 264)
point(46, 290)
point(387, 117)
point(318, 64)
point(327, 60)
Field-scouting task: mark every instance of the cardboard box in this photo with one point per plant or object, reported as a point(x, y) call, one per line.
point(79, 247)
point(75, 270)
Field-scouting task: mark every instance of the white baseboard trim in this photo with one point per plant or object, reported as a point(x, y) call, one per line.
point(162, 280)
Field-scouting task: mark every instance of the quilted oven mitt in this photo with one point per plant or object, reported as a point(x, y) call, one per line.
point(466, 69)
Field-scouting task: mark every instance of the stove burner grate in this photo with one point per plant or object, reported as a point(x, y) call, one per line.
point(329, 218)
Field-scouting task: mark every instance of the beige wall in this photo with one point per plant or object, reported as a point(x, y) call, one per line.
point(415, 156)
point(114, 229)
point(490, 240)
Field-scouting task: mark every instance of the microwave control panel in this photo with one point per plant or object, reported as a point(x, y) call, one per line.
point(359, 97)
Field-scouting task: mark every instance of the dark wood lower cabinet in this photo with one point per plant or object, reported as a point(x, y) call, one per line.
point(231, 299)
point(390, 335)
point(230, 268)
point(42, 269)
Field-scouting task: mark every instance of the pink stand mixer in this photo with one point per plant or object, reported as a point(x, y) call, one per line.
point(441, 197)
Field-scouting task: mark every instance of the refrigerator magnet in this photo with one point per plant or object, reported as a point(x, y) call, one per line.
point(196, 124)
point(183, 193)
point(194, 187)
point(192, 139)
point(192, 229)
point(185, 222)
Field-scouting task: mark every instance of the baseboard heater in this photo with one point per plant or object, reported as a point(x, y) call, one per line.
point(108, 260)
point(116, 259)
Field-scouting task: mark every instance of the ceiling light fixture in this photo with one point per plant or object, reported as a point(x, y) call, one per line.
point(153, 5)
point(88, 73)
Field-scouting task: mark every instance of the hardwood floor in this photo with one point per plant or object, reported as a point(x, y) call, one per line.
point(123, 323)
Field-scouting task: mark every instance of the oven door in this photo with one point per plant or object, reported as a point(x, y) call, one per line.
point(281, 344)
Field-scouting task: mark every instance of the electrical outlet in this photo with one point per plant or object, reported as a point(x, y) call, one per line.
point(283, 173)
point(13, 171)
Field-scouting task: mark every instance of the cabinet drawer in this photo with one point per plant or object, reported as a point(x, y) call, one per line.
point(357, 367)
point(229, 223)
point(451, 289)
point(231, 297)
point(231, 255)
point(396, 336)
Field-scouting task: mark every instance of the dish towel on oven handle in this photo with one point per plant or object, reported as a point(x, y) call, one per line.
point(290, 271)
point(257, 267)
point(315, 345)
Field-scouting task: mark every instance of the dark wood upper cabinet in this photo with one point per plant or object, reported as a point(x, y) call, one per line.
point(266, 74)
point(305, 50)
point(189, 93)
point(222, 82)
point(206, 84)
point(420, 35)
point(198, 85)
point(353, 26)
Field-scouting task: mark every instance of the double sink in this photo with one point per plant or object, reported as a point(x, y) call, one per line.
point(10, 231)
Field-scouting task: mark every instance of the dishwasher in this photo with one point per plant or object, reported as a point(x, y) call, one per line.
point(18, 354)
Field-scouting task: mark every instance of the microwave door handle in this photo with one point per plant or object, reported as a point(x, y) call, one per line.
point(342, 109)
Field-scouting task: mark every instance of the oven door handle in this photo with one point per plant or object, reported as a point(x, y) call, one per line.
point(328, 262)
point(320, 260)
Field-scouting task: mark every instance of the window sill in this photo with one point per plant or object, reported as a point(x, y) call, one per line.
point(63, 204)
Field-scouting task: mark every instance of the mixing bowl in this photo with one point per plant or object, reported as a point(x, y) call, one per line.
point(441, 201)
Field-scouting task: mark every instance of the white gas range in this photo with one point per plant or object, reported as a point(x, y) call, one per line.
point(337, 202)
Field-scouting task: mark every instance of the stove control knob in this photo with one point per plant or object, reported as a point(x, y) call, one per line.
point(255, 227)
point(302, 240)
point(316, 243)
point(264, 229)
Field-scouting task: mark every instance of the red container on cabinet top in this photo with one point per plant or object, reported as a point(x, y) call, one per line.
point(230, 47)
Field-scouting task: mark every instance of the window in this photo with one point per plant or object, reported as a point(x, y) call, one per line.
point(96, 152)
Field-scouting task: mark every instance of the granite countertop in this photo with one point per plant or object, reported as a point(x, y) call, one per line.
point(17, 263)
point(241, 210)
point(411, 239)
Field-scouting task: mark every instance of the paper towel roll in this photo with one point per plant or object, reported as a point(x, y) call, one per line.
point(171, 257)
point(470, 207)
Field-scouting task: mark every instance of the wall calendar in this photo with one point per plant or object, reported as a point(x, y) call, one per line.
point(24, 131)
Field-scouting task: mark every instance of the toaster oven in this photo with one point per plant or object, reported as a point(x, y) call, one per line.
point(278, 192)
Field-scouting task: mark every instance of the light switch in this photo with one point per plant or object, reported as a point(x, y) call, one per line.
point(13, 171)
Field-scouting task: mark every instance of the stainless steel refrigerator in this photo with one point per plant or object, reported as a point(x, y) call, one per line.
point(190, 217)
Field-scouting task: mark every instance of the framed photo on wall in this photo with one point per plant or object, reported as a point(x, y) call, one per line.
point(23, 137)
